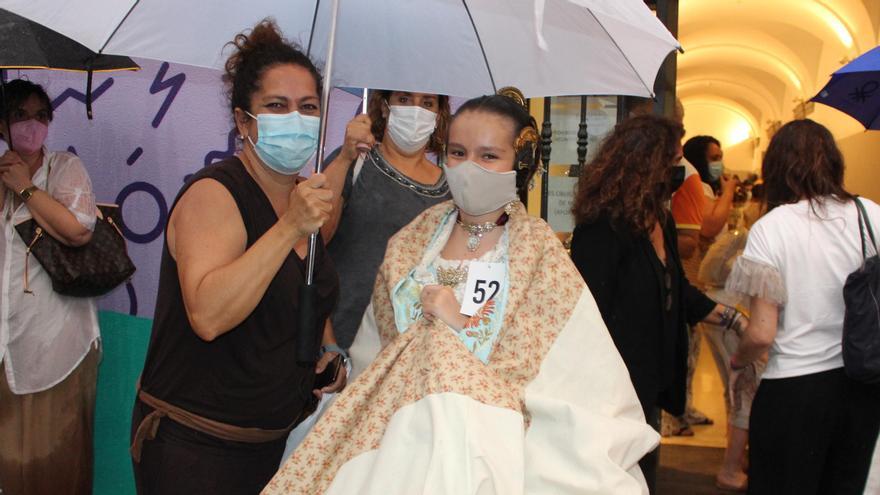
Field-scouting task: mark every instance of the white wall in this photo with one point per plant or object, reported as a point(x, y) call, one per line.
point(861, 153)
point(742, 159)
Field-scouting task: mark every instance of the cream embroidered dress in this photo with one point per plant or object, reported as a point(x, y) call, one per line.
point(544, 404)
point(481, 331)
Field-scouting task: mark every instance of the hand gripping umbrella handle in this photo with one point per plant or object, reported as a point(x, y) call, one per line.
point(308, 335)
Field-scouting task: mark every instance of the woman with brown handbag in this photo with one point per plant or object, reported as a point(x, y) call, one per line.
point(49, 343)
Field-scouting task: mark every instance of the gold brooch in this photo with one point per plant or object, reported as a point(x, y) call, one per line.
point(451, 277)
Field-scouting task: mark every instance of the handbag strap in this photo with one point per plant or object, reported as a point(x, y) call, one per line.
point(38, 234)
point(864, 224)
point(48, 173)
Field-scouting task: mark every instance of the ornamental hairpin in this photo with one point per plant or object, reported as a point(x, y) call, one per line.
point(527, 140)
point(514, 94)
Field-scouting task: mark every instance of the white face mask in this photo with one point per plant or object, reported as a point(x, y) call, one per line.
point(477, 191)
point(716, 169)
point(410, 127)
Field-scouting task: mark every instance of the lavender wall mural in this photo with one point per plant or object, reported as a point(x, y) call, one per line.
point(151, 130)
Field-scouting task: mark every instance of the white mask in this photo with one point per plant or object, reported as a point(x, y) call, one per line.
point(477, 191)
point(716, 169)
point(410, 127)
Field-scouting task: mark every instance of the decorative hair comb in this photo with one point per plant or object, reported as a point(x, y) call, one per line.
point(514, 94)
point(527, 140)
point(528, 136)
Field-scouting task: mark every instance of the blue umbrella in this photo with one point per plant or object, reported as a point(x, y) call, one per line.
point(855, 89)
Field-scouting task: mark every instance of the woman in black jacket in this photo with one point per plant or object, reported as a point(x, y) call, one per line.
point(625, 247)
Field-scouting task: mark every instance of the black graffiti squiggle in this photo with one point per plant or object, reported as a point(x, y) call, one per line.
point(157, 196)
point(161, 84)
point(134, 156)
point(132, 299)
point(217, 155)
point(79, 96)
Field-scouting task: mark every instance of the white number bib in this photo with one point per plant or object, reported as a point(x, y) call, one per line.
point(483, 283)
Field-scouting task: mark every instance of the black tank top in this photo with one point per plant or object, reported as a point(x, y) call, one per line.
point(248, 376)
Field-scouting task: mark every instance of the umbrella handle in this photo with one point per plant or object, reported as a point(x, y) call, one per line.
point(308, 335)
point(363, 148)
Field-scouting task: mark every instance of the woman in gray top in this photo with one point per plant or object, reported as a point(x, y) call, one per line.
point(383, 179)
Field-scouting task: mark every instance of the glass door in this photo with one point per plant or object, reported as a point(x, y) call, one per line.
point(572, 127)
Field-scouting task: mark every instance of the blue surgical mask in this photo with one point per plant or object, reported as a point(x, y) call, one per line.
point(715, 170)
point(286, 142)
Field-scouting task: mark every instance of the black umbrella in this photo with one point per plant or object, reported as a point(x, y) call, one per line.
point(25, 44)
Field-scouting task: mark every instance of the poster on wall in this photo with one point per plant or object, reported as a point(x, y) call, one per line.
point(560, 198)
point(566, 116)
point(151, 130)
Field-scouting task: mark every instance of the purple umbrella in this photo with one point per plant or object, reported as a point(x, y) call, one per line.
point(855, 89)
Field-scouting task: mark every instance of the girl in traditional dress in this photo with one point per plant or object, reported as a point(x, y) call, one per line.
point(487, 367)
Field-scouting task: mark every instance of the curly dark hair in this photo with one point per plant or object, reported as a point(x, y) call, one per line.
point(802, 162)
point(506, 106)
point(629, 179)
point(378, 99)
point(255, 52)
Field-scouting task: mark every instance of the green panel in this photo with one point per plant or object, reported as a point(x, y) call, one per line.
point(125, 341)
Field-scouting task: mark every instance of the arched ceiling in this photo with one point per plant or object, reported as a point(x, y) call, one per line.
point(740, 95)
point(749, 92)
point(762, 57)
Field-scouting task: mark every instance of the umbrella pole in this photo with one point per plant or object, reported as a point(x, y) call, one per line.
point(89, 75)
point(310, 329)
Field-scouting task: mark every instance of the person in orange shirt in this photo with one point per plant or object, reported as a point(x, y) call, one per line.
point(699, 217)
point(702, 204)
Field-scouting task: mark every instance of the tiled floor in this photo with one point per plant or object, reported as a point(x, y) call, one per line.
point(709, 398)
point(678, 469)
point(686, 470)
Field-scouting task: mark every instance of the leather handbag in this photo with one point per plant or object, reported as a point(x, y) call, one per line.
point(861, 322)
point(90, 270)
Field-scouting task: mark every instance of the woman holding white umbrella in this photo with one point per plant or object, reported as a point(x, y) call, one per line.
point(220, 390)
point(381, 191)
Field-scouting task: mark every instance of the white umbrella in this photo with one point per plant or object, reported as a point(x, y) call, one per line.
point(437, 46)
point(455, 47)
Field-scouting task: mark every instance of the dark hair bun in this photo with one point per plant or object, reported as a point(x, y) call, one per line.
point(255, 51)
